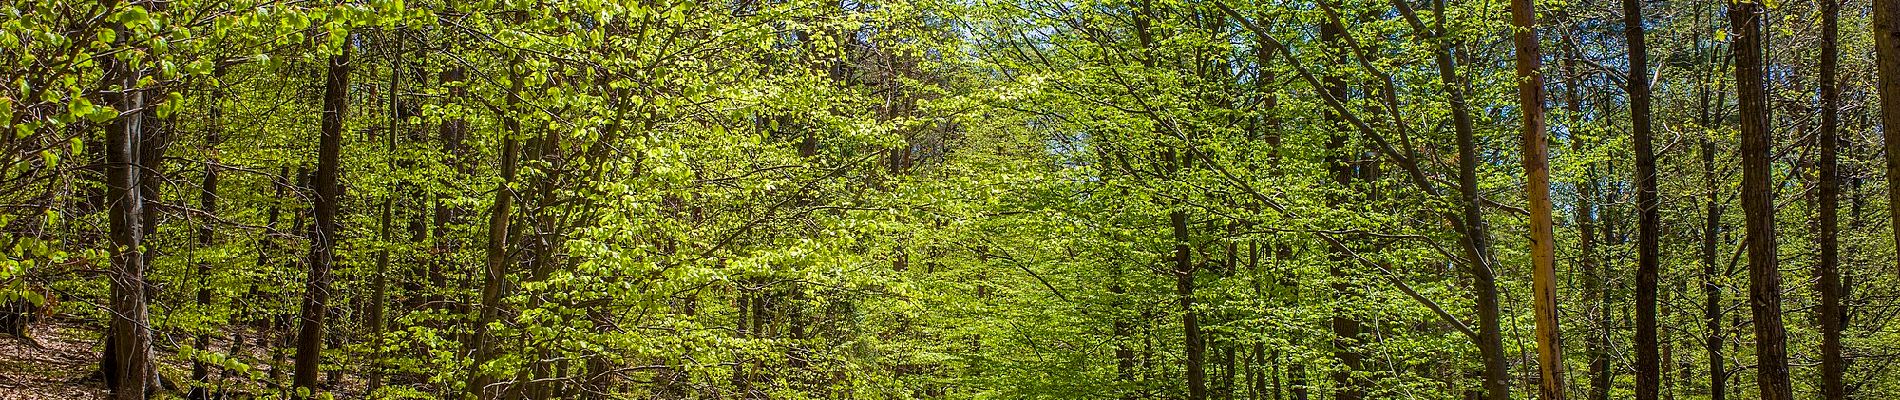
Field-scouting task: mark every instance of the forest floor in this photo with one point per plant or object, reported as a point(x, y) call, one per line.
point(61, 367)
point(65, 362)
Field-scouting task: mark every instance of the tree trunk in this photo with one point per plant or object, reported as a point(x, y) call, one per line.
point(1124, 336)
point(379, 283)
point(1745, 19)
point(495, 274)
point(316, 304)
point(1476, 237)
point(128, 363)
point(1339, 161)
point(1887, 50)
point(1712, 229)
point(1597, 331)
point(208, 203)
point(1648, 356)
point(1712, 289)
point(1530, 92)
point(1833, 365)
point(1184, 270)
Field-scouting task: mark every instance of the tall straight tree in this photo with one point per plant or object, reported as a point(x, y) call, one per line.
point(1530, 99)
point(1648, 356)
point(1833, 365)
point(1886, 20)
point(316, 297)
point(1771, 354)
point(1712, 288)
point(1339, 164)
point(379, 282)
point(128, 363)
point(207, 202)
point(1477, 237)
point(1711, 223)
point(1597, 334)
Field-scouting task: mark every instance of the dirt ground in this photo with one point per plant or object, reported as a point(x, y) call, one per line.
point(58, 369)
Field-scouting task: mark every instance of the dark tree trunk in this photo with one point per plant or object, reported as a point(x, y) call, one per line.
point(1648, 355)
point(450, 134)
point(1712, 289)
point(1476, 237)
point(208, 203)
point(1712, 230)
point(1887, 52)
point(1339, 164)
point(316, 303)
point(1833, 365)
point(1184, 270)
point(1124, 335)
point(1771, 354)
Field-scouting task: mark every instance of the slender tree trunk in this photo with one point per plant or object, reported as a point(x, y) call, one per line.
point(1596, 341)
point(1886, 28)
point(1184, 270)
point(128, 360)
point(495, 274)
point(379, 283)
point(450, 133)
point(1745, 19)
point(1530, 90)
point(1833, 365)
point(1712, 289)
point(286, 338)
point(1476, 237)
point(1648, 356)
point(1124, 336)
point(316, 304)
point(1339, 164)
point(208, 203)
point(1712, 230)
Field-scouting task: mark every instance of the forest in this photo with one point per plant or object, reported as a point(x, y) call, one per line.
point(950, 199)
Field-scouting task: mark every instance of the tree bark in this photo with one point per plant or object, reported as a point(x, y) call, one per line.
point(1745, 19)
point(1648, 355)
point(1712, 289)
point(128, 363)
point(1477, 238)
point(1184, 269)
point(495, 274)
point(208, 203)
point(1833, 365)
point(1712, 229)
point(1530, 89)
point(1886, 21)
point(316, 304)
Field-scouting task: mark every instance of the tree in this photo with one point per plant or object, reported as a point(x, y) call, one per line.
point(495, 271)
point(1649, 221)
point(1530, 99)
point(1764, 275)
point(128, 362)
point(1229, 199)
point(326, 228)
point(1833, 365)
point(1886, 27)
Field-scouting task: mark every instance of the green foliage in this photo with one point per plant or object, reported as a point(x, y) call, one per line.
point(892, 200)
